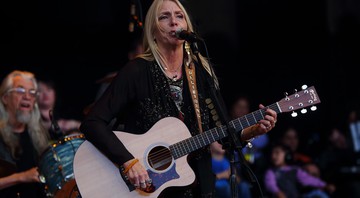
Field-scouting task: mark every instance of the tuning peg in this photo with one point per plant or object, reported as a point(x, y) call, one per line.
point(304, 87)
point(313, 108)
point(303, 111)
point(286, 96)
point(294, 114)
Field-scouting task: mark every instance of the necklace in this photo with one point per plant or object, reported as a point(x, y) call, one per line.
point(174, 77)
point(172, 71)
point(175, 72)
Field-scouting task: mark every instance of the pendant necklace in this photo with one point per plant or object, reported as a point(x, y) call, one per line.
point(164, 69)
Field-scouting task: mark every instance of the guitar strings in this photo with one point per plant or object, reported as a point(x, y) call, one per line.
point(159, 155)
point(163, 154)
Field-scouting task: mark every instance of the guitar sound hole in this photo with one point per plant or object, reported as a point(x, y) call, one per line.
point(159, 158)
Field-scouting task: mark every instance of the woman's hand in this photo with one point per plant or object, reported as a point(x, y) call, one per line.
point(263, 126)
point(266, 124)
point(137, 175)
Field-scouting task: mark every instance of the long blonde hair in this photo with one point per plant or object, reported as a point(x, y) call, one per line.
point(38, 134)
point(151, 52)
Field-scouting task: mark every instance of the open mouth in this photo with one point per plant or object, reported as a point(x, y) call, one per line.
point(25, 106)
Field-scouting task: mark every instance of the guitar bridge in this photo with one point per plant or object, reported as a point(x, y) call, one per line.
point(126, 179)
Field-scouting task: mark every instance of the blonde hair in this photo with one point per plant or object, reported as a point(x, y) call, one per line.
point(38, 134)
point(151, 52)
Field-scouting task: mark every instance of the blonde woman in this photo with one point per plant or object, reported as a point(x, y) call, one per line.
point(148, 90)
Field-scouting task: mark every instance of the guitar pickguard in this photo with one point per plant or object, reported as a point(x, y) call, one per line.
point(159, 179)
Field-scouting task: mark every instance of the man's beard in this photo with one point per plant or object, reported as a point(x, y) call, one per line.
point(23, 116)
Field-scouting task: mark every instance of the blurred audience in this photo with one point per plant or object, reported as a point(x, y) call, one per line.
point(50, 118)
point(255, 155)
point(222, 170)
point(338, 164)
point(282, 179)
point(241, 107)
point(354, 126)
point(291, 139)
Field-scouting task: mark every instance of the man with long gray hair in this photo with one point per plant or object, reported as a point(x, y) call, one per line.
point(22, 136)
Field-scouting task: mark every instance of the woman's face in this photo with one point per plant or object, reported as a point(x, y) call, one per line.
point(46, 97)
point(171, 18)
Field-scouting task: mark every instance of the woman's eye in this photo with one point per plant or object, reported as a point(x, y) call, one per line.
point(162, 17)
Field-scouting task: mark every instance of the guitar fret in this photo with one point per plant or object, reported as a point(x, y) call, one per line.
point(187, 147)
point(243, 122)
point(178, 151)
point(198, 139)
point(198, 142)
point(203, 140)
point(192, 144)
point(221, 132)
point(242, 127)
point(216, 135)
point(247, 120)
point(262, 115)
point(212, 135)
point(207, 136)
point(173, 151)
point(224, 134)
point(251, 119)
point(254, 117)
point(233, 125)
point(183, 146)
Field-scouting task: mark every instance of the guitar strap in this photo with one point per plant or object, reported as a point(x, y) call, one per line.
point(191, 77)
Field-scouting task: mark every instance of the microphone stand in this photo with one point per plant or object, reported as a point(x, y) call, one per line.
point(55, 130)
point(234, 143)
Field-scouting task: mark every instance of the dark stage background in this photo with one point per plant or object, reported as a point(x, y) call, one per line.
point(261, 48)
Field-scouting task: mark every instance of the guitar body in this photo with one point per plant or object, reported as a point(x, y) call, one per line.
point(97, 176)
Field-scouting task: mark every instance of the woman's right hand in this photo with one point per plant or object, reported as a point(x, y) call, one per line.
point(137, 175)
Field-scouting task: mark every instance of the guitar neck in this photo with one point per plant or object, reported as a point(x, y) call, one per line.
point(191, 144)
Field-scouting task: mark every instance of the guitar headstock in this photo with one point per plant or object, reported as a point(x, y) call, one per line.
point(300, 100)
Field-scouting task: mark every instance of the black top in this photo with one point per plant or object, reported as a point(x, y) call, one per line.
point(26, 160)
point(138, 97)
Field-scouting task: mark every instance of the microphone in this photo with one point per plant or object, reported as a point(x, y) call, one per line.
point(187, 36)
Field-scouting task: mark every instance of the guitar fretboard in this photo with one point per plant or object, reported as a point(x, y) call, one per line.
point(188, 145)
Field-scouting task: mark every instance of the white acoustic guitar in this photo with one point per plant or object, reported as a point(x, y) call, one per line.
point(163, 152)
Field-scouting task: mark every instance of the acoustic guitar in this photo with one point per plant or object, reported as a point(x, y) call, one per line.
point(163, 152)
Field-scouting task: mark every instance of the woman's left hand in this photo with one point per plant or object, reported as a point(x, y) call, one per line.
point(265, 125)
